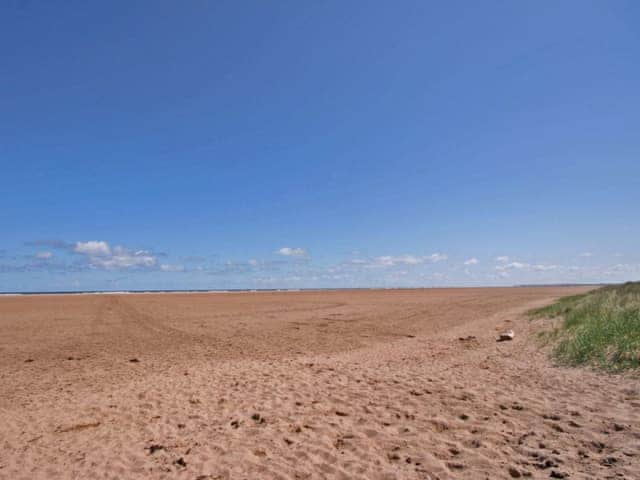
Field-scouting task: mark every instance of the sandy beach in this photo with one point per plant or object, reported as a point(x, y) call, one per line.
point(377, 384)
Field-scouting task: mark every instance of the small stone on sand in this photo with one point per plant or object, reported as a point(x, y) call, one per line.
point(506, 336)
point(514, 472)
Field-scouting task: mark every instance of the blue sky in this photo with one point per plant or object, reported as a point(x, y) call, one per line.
point(318, 144)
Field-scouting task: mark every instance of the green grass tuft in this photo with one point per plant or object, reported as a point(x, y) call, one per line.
point(600, 328)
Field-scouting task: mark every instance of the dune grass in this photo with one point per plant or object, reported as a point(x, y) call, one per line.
point(600, 328)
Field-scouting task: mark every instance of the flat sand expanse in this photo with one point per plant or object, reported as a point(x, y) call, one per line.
point(307, 385)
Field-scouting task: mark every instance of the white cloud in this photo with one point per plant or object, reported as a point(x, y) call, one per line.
point(517, 265)
point(171, 268)
point(93, 248)
point(512, 266)
point(525, 267)
point(391, 260)
point(437, 257)
point(472, 261)
point(621, 267)
point(101, 255)
point(292, 252)
point(122, 258)
point(586, 254)
point(44, 255)
point(544, 268)
point(502, 259)
point(358, 261)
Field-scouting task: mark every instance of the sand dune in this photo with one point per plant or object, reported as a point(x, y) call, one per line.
point(362, 384)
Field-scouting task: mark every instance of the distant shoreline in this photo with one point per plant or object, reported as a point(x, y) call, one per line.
point(285, 290)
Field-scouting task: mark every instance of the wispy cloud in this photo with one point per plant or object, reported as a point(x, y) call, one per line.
point(406, 259)
point(89, 255)
point(193, 259)
point(293, 266)
point(99, 254)
point(93, 248)
point(51, 243)
point(512, 266)
point(122, 258)
point(251, 266)
point(172, 268)
point(525, 266)
point(544, 268)
point(437, 257)
point(293, 252)
point(37, 265)
point(586, 254)
point(390, 260)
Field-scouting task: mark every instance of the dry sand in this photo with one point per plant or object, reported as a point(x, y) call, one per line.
point(348, 384)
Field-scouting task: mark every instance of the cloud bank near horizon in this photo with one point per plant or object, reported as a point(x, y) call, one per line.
point(290, 267)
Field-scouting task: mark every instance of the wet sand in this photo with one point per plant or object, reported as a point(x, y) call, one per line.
point(345, 384)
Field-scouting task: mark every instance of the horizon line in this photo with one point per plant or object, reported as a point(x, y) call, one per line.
point(302, 289)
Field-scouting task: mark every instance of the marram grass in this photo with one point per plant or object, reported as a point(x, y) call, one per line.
point(600, 328)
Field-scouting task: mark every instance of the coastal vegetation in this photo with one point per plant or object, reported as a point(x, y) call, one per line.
point(600, 328)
